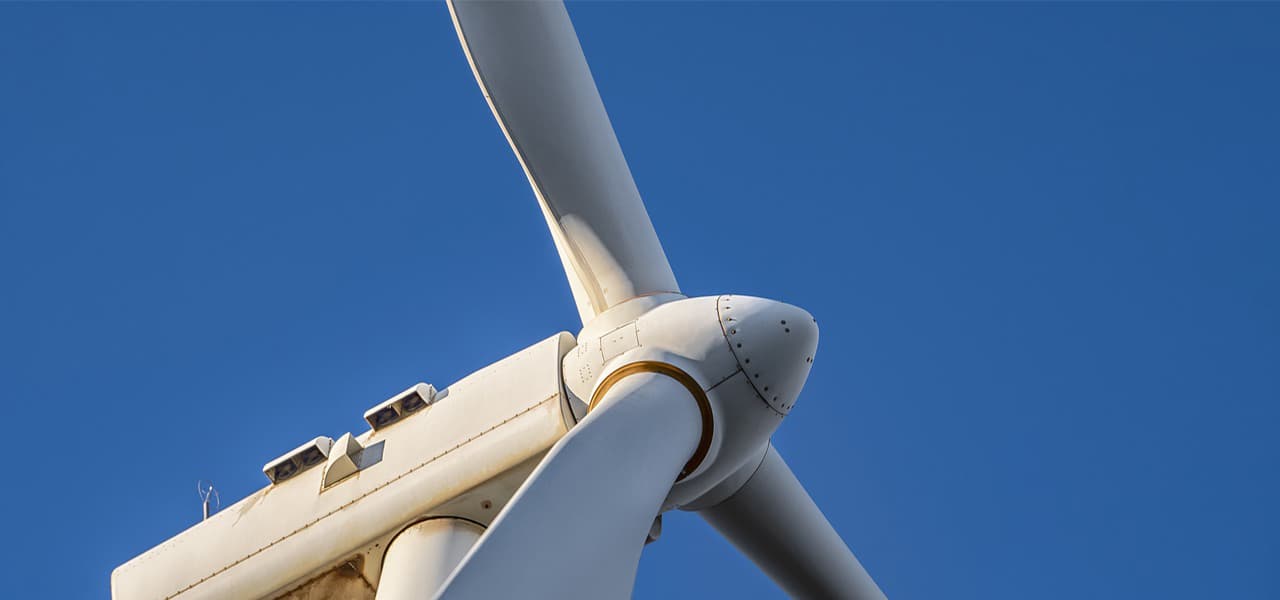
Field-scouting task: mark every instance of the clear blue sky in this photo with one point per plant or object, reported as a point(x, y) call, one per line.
point(1041, 241)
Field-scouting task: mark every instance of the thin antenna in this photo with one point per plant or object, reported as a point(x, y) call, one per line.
point(208, 495)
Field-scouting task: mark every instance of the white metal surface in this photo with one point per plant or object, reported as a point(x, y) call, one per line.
point(774, 342)
point(576, 527)
point(775, 523)
point(528, 62)
point(686, 328)
point(421, 558)
point(481, 428)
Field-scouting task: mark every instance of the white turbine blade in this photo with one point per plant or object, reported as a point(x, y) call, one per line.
point(775, 523)
point(526, 57)
point(576, 527)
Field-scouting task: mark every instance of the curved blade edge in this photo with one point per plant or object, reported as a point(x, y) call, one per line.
point(773, 521)
point(527, 60)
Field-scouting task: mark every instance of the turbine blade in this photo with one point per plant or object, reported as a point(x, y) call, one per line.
point(576, 527)
point(775, 523)
point(527, 60)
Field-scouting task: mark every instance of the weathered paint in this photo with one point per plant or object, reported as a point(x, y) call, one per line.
point(345, 581)
point(482, 431)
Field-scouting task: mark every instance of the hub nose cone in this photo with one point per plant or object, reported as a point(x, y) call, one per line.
point(774, 344)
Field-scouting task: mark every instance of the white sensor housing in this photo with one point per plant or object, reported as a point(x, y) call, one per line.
point(400, 405)
point(298, 460)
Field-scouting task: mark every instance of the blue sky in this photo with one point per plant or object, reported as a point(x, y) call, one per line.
point(1040, 240)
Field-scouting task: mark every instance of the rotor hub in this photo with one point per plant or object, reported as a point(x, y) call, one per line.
point(748, 357)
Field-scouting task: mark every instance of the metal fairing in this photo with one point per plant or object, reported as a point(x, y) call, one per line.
point(464, 456)
point(688, 329)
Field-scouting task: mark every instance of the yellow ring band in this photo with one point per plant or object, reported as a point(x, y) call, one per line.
point(674, 372)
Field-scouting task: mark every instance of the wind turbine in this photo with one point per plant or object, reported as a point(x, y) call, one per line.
point(544, 474)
